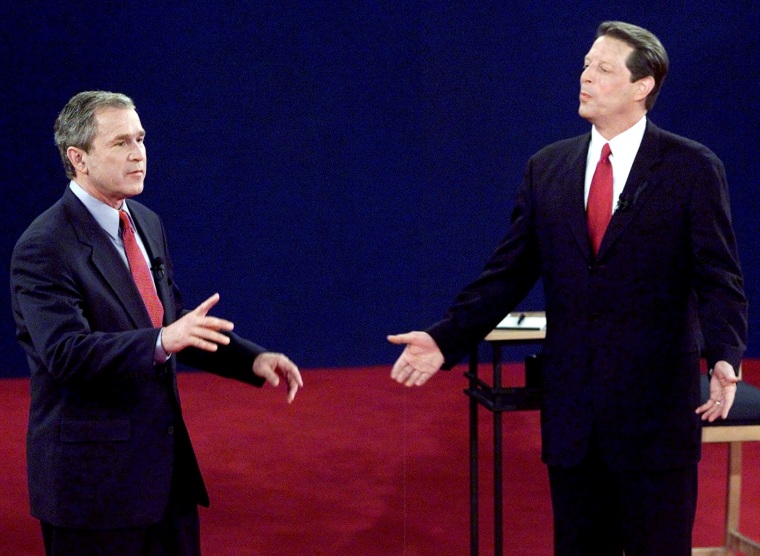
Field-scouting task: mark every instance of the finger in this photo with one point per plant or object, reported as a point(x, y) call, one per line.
point(414, 376)
point(294, 384)
point(714, 408)
point(206, 306)
point(209, 335)
point(401, 370)
point(726, 408)
point(205, 345)
point(295, 374)
point(729, 394)
point(708, 406)
point(292, 393)
point(401, 338)
point(288, 369)
point(216, 323)
point(423, 378)
point(396, 369)
point(268, 373)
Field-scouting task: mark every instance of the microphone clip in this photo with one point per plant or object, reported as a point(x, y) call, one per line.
point(158, 268)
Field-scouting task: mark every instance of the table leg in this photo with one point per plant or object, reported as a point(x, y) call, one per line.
point(474, 540)
point(498, 501)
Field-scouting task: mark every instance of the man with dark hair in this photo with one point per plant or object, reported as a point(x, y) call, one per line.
point(110, 464)
point(629, 228)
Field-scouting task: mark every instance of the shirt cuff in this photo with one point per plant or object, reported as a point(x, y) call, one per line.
point(160, 356)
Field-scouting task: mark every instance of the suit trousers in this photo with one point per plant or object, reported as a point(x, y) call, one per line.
point(602, 512)
point(177, 534)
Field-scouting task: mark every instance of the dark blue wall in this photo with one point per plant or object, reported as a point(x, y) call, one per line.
point(338, 170)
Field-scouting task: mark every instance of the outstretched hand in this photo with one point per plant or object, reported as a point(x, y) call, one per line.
point(419, 361)
point(197, 329)
point(271, 366)
point(722, 392)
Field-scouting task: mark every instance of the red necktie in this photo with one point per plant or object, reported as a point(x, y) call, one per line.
point(140, 271)
point(599, 206)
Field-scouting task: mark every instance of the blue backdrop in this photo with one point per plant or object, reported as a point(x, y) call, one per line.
point(339, 170)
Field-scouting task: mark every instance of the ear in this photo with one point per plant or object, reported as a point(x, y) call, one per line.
point(644, 86)
point(77, 158)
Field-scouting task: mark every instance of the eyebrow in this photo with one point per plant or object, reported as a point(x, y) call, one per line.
point(125, 136)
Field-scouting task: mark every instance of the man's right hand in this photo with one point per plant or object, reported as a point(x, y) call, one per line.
point(197, 329)
point(419, 361)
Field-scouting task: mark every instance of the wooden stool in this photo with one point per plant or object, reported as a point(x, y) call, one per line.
point(742, 425)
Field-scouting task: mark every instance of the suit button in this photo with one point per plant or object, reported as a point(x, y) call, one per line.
point(170, 430)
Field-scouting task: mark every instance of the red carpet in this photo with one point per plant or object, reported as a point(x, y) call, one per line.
point(356, 466)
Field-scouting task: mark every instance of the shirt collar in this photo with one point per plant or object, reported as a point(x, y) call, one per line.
point(623, 145)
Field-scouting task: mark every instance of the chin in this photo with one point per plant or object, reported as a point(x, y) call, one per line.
point(585, 113)
point(136, 189)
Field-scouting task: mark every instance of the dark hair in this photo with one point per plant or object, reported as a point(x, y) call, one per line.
point(76, 126)
point(648, 57)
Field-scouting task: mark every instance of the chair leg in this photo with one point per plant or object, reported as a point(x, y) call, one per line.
point(732, 539)
point(734, 490)
point(735, 541)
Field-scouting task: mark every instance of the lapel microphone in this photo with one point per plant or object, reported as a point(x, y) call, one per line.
point(158, 268)
point(623, 204)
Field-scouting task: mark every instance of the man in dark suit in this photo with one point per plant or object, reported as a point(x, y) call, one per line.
point(110, 464)
point(633, 297)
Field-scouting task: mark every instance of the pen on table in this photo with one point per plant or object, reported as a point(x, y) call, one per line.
point(520, 318)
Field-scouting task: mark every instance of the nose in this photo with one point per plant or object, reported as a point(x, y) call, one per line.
point(138, 151)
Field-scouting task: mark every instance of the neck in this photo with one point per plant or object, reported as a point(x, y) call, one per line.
point(611, 129)
point(92, 191)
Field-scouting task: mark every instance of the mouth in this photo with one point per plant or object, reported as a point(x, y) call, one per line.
point(583, 96)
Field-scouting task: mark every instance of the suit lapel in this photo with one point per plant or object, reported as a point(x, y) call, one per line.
point(107, 261)
point(577, 211)
point(639, 187)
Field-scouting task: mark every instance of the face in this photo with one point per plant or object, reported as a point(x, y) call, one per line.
point(115, 167)
point(608, 99)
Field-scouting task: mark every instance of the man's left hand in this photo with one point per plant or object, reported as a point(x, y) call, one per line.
point(722, 392)
point(271, 366)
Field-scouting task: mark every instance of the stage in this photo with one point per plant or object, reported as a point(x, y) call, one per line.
point(357, 465)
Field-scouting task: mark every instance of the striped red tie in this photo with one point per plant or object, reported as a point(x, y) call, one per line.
point(599, 206)
point(140, 271)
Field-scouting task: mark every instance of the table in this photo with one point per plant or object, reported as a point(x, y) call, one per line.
point(497, 398)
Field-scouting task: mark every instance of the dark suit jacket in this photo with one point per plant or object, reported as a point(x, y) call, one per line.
point(105, 425)
point(625, 329)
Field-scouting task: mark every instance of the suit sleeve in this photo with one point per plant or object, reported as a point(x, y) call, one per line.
point(55, 317)
point(718, 280)
point(234, 360)
point(508, 276)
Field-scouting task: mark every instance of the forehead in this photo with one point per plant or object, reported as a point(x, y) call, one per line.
point(113, 122)
point(609, 49)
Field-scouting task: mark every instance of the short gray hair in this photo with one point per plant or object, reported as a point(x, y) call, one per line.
point(76, 126)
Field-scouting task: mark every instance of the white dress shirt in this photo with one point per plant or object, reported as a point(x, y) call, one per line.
point(624, 148)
